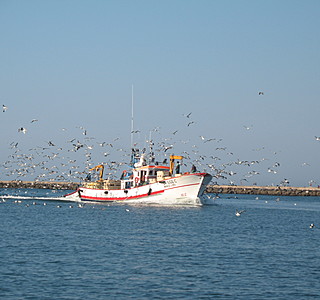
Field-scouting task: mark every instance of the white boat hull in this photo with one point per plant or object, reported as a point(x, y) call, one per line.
point(183, 189)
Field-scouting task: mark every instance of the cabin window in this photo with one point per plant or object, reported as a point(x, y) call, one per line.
point(143, 176)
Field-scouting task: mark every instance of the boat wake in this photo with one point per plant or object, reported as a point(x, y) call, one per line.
point(164, 202)
point(68, 198)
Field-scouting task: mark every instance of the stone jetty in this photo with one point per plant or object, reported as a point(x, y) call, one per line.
point(52, 185)
point(264, 190)
point(218, 189)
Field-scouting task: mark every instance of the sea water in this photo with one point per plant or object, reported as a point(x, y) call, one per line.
point(101, 251)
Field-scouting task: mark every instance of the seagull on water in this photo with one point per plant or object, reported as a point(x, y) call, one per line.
point(312, 225)
point(4, 108)
point(239, 212)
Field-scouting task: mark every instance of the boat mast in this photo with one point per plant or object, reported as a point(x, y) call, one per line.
point(132, 116)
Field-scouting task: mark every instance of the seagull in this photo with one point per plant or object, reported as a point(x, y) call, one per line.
point(209, 140)
point(4, 108)
point(317, 138)
point(24, 130)
point(260, 93)
point(167, 148)
point(187, 115)
point(34, 120)
point(239, 212)
point(311, 225)
point(190, 123)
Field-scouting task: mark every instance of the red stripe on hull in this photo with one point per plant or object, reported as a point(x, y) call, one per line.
point(118, 198)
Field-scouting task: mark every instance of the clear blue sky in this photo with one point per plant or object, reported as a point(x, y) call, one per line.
point(72, 63)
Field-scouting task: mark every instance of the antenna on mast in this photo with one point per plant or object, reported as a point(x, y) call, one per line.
point(132, 116)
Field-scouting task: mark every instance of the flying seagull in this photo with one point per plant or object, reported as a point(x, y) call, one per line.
point(4, 108)
point(22, 129)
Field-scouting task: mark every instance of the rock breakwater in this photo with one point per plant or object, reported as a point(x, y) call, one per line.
point(52, 185)
point(264, 190)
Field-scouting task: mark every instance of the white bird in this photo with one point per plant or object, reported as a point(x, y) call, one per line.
point(34, 120)
point(22, 129)
point(187, 115)
point(4, 108)
point(239, 212)
point(317, 138)
point(312, 225)
point(261, 93)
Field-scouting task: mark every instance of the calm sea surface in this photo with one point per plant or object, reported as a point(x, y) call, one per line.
point(135, 252)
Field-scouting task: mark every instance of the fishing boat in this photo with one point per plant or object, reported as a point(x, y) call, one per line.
point(147, 182)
